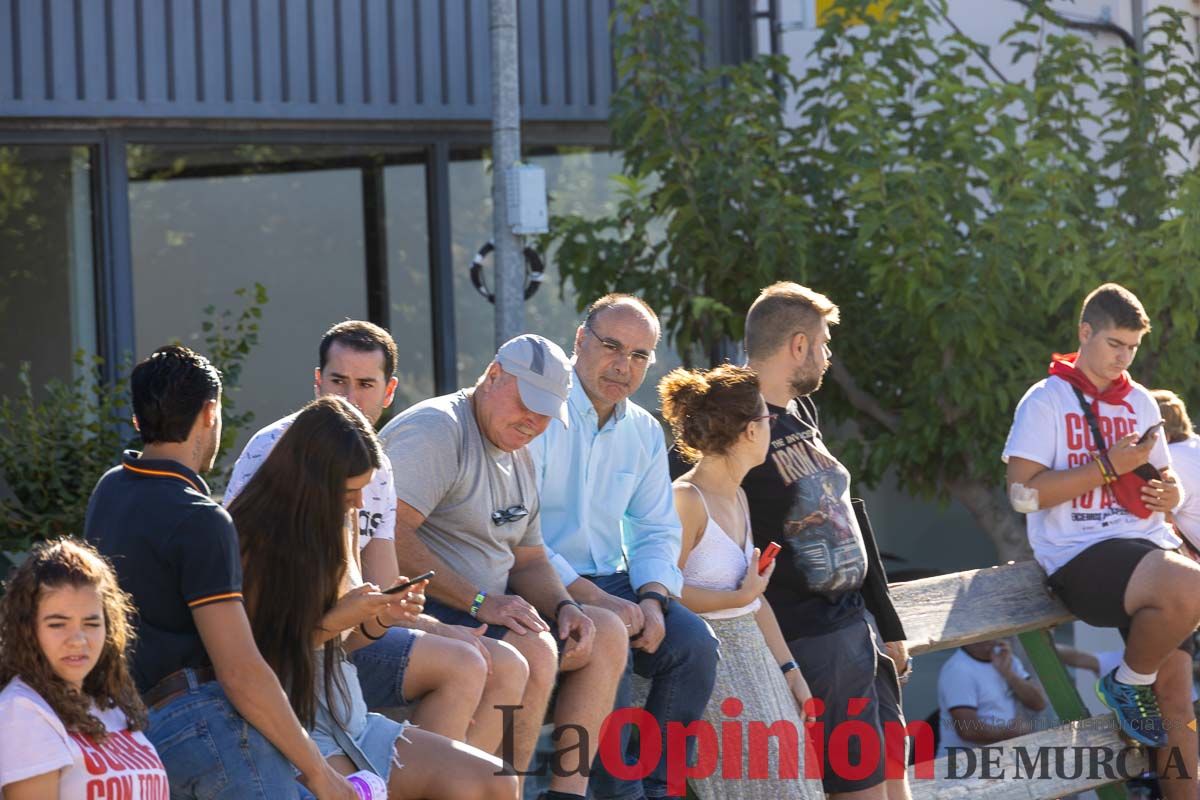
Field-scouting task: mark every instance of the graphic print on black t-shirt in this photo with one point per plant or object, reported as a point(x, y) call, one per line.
point(800, 498)
point(825, 544)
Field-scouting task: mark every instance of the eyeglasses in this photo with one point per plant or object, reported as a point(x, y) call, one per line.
point(510, 514)
point(639, 358)
point(770, 418)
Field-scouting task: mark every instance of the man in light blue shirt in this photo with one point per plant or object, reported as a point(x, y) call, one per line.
point(610, 527)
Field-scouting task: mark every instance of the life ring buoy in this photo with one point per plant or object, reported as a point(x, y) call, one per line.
point(535, 271)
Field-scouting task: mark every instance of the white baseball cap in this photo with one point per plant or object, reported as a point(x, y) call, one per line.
point(543, 373)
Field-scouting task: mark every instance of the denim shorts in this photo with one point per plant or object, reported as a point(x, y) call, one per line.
point(212, 753)
point(381, 666)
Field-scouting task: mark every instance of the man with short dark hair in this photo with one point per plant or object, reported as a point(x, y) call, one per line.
point(446, 673)
point(211, 696)
point(611, 530)
point(829, 573)
point(469, 508)
point(1081, 458)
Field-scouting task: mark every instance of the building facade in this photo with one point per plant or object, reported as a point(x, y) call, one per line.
point(158, 155)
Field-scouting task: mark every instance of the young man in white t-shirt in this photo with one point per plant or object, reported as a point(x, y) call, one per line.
point(978, 691)
point(1113, 564)
point(458, 676)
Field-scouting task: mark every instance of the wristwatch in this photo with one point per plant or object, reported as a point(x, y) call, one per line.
point(663, 600)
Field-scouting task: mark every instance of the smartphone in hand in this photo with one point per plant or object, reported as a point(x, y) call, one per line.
point(411, 582)
point(768, 556)
point(1149, 431)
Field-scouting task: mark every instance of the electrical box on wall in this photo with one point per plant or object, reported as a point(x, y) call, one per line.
point(527, 200)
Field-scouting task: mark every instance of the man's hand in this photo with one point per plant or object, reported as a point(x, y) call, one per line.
point(653, 629)
point(472, 636)
point(898, 653)
point(630, 613)
point(1002, 659)
point(578, 632)
point(1161, 495)
point(1127, 455)
point(513, 612)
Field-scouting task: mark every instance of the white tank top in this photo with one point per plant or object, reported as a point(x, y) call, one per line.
point(716, 562)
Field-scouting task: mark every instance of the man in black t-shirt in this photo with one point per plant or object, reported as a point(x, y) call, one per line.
point(828, 573)
point(176, 552)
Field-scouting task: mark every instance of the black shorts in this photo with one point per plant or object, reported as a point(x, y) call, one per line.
point(854, 681)
point(1092, 584)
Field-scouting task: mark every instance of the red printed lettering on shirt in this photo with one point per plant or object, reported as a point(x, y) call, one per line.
point(1076, 436)
point(153, 786)
point(92, 760)
point(132, 752)
point(114, 788)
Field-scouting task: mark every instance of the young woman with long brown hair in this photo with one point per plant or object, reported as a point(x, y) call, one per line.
point(71, 720)
point(307, 605)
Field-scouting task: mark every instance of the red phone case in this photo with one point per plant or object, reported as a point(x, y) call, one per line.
point(767, 557)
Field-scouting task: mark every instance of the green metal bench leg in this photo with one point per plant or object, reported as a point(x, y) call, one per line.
point(1061, 691)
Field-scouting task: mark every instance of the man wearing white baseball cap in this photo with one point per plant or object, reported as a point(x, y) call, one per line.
point(468, 508)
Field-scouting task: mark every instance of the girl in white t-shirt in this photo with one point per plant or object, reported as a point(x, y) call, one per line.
point(71, 720)
point(1185, 462)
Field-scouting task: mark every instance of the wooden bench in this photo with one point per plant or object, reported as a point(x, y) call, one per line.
point(953, 610)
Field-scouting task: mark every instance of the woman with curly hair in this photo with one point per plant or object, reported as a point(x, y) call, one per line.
point(71, 720)
point(721, 423)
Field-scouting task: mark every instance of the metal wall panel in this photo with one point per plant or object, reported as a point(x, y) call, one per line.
point(305, 59)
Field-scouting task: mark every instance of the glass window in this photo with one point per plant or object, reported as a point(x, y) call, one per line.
point(47, 289)
point(470, 229)
point(411, 320)
point(209, 219)
point(577, 182)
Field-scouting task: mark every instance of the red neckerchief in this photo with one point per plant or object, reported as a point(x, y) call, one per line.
point(1064, 367)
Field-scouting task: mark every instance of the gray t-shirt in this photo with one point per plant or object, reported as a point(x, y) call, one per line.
point(448, 471)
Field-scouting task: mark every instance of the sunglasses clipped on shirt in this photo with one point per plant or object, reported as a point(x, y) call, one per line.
point(511, 514)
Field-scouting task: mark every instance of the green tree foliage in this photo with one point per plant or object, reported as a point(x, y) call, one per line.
point(58, 439)
point(958, 216)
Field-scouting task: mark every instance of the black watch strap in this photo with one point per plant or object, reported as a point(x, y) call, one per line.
point(567, 602)
point(662, 599)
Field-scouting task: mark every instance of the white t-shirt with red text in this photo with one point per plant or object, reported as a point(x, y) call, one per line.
point(1049, 428)
point(33, 741)
point(1185, 462)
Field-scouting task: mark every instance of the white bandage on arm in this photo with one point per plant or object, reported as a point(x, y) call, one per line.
point(1023, 499)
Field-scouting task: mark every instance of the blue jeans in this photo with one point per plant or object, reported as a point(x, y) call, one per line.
point(381, 667)
point(682, 672)
point(211, 753)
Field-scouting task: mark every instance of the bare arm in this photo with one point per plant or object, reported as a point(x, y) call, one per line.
point(379, 565)
point(39, 787)
point(1053, 487)
point(1077, 658)
point(972, 728)
point(253, 688)
point(1057, 486)
point(449, 587)
point(533, 578)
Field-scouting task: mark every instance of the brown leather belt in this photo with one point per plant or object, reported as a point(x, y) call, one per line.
point(177, 684)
